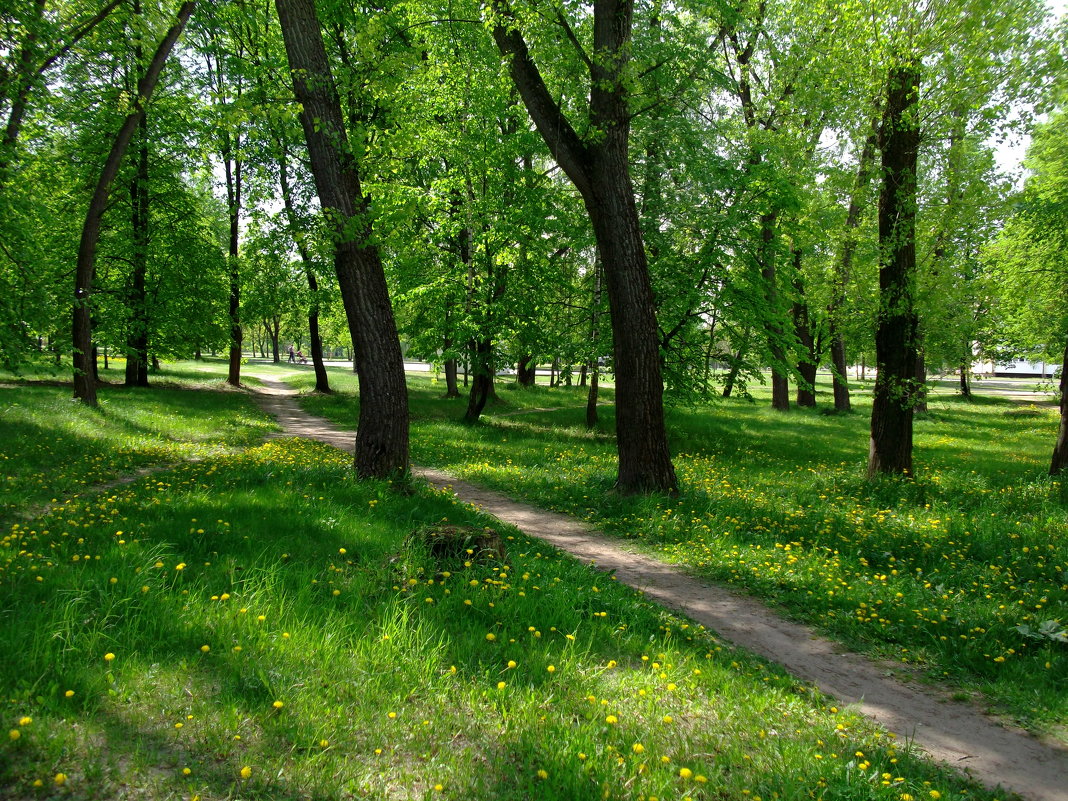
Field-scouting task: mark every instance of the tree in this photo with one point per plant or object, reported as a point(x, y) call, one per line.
point(1032, 267)
point(82, 336)
point(598, 166)
point(382, 431)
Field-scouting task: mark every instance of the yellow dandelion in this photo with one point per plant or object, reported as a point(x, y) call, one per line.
point(246, 772)
point(68, 694)
point(551, 668)
point(60, 779)
point(25, 721)
point(543, 774)
point(685, 773)
point(14, 734)
point(278, 704)
point(637, 748)
point(611, 720)
point(491, 636)
point(108, 656)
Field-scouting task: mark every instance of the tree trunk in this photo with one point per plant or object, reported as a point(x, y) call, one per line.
point(233, 200)
point(1059, 463)
point(599, 170)
point(896, 336)
point(382, 431)
point(736, 365)
point(780, 381)
point(81, 328)
point(595, 334)
point(451, 389)
point(919, 403)
point(322, 380)
point(526, 373)
point(965, 379)
point(137, 299)
point(806, 365)
point(482, 384)
point(844, 269)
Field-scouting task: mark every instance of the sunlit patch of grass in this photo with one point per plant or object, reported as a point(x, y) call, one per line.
point(263, 625)
point(52, 446)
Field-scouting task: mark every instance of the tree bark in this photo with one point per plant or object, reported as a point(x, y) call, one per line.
point(806, 365)
point(526, 372)
point(896, 336)
point(81, 328)
point(233, 201)
point(1059, 464)
point(965, 379)
point(382, 431)
point(481, 385)
point(322, 380)
point(600, 172)
point(780, 382)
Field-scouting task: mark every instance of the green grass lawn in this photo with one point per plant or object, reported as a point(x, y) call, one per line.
point(259, 624)
point(52, 447)
point(961, 573)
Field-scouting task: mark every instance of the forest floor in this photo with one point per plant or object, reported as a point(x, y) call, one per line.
point(951, 731)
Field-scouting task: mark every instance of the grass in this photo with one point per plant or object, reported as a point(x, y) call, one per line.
point(258, 624)
point(961, 574)
point(52, 447)
point(262, 625)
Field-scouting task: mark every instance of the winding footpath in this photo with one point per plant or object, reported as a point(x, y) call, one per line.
point(956, 734)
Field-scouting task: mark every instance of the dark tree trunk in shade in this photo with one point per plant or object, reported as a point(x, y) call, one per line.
point(595, 333)
point(451, 388)
point(919, 403)
point(599, 170)
point(137, 299)
point(81, 328)
point(1059, 464)
point(736, 364)
point(780, 381)
point(382, 430)
point(806, 366)
point(896, 333)
point(233, 200)
point(965, 379)
point(483, 381)
point(526, 371)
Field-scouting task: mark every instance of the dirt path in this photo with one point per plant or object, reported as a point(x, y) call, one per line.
point(957, 734)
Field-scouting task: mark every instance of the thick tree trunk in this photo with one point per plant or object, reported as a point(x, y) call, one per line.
point(137, 299)
point(382, 431)
point(451, 388)
point(81, 329)
point(526, 372)
point(483, 381)
point(599, 171)
point(896, 336)
point(1059, 464)
point(965, 379)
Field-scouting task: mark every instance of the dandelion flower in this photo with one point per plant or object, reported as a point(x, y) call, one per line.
point(68, 694)
point(108, 656)
point(543, 774)
point(611, 720)
point(278, 704)
point(501, 685)
point(511, 663)
point(491, 637)
point(324, 743)
point(246, 772)
point(60, 779)
point(186, 771)
point(25, 721)
point(205, 648)
point(551, 668)
point(14, 734)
